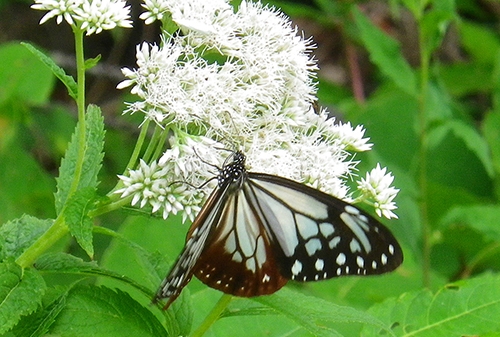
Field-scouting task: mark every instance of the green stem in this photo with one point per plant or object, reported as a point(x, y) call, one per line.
point(213, 315)
point(138, 146)
point(44, 242)
point(132, 163)
point(59, 227)
point(422, 176)
point(160, 147)
point(148, 155)
point(111, 206)
point(80, 102)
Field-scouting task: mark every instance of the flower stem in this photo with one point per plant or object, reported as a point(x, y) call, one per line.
point(138, 146)
point(213, 315)
point(422, 175)
point(148, 155)
point(59, 227)
point(80, 102)
point(44, 242)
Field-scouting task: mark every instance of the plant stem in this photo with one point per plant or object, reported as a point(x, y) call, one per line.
point(213, 315)
point(422, 175)
point(138, 146)
point(148, 155)
point(80, 102)
point(111, 206)
point(59, 227)
point(44, 242)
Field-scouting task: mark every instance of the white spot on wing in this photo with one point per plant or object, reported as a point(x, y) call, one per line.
point(246, 230)
point(251, 265)
point(237, 257)
point(341, 258)
point(383, 259)
point(312, 246)
point(297, 267)
point(260, 252)
point(326, 229)
point(351, 210)
point(355, 224)
point(360, 261)
point(334, 242)
point(307, 227)
point(354, 246)
point(319, 264)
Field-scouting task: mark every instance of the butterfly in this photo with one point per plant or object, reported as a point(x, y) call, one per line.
point(257, 231)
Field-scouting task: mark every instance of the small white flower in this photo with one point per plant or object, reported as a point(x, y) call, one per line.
point(377, 185)
point(61, 9)
point(155, 10)
point(98, 15)
point(257, 97)
point(93, 16)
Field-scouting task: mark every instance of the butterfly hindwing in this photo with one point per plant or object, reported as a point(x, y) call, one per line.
point(239, 257)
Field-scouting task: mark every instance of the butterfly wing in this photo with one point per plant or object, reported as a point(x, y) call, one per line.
point(320, 236)
point(240, 258)
point(182, 271)
point(256, 231)
point(227, 248)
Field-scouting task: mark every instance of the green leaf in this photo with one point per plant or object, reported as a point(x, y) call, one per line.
point(385, 52)
point(112, 313)
point(465, 308)
point(150, 269)
point(38, 323)
point(434, 24)
point(94, 142)
point(69, 264)
point(91, 63)
point(312, 313)
point(62, 262)
point(94, 147)
point(67, 80)
point(22, 75)
point(20, 293)
point(469, 135)
point(484, 218)
point(76, 216)
point(491, 131)
point(466, 78)
point(479, 41)
point(19, 234)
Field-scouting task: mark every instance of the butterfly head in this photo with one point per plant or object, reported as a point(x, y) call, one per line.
point(233, 171)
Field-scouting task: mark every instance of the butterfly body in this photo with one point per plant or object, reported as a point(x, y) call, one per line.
point(257, 231)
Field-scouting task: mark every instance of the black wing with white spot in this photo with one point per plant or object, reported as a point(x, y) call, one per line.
point(320, 236)
point(182, 271)
point(256, 231)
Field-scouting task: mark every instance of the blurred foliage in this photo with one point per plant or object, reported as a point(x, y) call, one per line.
point(423, 77)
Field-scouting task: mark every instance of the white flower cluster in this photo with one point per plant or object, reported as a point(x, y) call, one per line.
point(92, 16)
point(240, 80)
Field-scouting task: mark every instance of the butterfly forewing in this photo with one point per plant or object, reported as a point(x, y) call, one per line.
point(183, 269)
point(256, 231)
point(321, 236)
